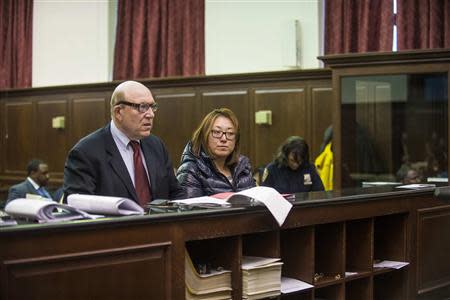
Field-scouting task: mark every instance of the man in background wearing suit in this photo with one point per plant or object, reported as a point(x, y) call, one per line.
point(38, 176)
point(123, 159)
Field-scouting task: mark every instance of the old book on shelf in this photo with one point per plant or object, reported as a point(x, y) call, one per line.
point(261, 277)
point(105, 205)
point(213, 285)
point(43, 211)
point(274, 201)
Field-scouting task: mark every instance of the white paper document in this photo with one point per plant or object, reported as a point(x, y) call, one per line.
point(290, 285)
point(43, 210)
point(390, 264)
point(204, 201)
point(274, 201)
point(277, 205)
point(416, 186)
point(378, 183)
point(105, 205)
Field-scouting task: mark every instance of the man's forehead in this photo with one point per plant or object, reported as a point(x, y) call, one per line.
point(43, 167)
point(141, 94)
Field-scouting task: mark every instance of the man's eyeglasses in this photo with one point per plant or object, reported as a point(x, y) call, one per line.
point(140, 107)
point(218, 134)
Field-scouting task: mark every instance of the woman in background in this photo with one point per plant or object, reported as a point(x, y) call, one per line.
point(211, 162)
point(291, 171)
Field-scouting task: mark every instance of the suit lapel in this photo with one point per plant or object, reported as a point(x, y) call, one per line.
point(116, 162)
point(31, 189)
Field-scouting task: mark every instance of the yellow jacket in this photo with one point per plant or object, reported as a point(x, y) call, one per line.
point(324, 165)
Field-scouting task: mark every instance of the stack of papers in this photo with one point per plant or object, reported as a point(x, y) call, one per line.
point(216, 285)
point(274, 201)
point(43, 211)
point(79, 206)
point(378, 183)
point(416, 186)
point(390, 264)
point(105, 205)
point(6, 221)
point(291, 285)
point(261, 277)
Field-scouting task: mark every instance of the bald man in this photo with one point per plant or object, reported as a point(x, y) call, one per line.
point(109, 161)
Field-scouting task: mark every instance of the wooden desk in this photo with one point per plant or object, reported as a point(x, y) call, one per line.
point(325, 233)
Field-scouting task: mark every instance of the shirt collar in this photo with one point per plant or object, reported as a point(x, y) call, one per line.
point(119, 136)
point(35, 185)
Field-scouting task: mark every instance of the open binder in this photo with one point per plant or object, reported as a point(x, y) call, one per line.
point(274, 201)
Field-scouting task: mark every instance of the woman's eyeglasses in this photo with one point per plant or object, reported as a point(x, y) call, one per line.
point(218, 134)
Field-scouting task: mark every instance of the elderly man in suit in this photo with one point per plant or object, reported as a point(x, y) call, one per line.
point(124, 159)
point(38, 176)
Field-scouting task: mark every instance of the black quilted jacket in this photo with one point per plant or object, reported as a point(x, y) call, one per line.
point(200, 177)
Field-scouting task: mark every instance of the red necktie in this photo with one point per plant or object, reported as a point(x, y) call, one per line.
point(141, 183)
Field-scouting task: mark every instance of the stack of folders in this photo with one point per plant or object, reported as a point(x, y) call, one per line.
point(216, 285)
point(261, 277)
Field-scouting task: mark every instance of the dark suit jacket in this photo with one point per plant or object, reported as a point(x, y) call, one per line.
point(94, 166)
point(20, 190)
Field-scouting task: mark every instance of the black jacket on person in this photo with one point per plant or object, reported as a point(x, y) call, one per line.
point(200, 177)
point(287, 181)
point(94, 166)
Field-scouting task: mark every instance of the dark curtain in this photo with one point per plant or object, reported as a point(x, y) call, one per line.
point(423, 24)
point(159, 38)
point(16, 40)
point(358, 26)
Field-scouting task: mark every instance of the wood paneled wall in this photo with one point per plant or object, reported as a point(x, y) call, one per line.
point(300, 102)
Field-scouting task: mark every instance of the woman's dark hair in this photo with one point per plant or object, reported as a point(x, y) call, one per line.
point(295, 145)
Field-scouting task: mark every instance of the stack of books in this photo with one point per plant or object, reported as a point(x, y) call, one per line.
point(213, 285)
point(261, 277)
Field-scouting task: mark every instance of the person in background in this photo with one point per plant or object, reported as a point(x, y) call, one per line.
point(211, 162)
point(123, 159)
point(37, 180)
point(408, 175)
point(291, 171)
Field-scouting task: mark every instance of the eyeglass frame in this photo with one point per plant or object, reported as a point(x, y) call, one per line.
point(222, 133)
point(140, 107)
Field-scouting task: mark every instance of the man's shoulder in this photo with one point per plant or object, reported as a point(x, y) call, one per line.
point(20, 185)
point(93, 139)
point(153, 142)
point(152, 139)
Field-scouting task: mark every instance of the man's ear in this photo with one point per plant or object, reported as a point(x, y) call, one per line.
point(117, 112)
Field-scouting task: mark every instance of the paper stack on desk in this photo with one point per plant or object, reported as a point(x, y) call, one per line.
point(261, 277)
point(274, 201)
point(105, 205)
point(43, 211)
point(216, 285)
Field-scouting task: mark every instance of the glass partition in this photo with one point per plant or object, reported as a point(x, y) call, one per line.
point(394, 128)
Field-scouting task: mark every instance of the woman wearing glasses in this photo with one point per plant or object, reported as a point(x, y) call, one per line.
point(211, 162)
